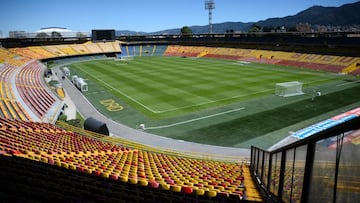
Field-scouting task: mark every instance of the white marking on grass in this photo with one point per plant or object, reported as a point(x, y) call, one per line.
point(121, 64)
point(195, 119)
point(316, 81)
point(347, 83)
point(212, 101)
point(99, 92)
point(129, 97)
point(241, 63)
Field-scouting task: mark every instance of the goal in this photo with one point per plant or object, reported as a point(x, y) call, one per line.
point(124, 58)
point(288, 89)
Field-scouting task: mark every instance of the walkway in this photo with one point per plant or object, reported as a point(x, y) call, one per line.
point(117, 129)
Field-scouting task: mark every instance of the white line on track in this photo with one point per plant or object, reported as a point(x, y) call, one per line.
point(195, 119)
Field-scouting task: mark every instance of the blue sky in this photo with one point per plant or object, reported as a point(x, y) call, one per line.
point(141, 15)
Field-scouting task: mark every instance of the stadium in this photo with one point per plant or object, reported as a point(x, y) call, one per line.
point(230, 117)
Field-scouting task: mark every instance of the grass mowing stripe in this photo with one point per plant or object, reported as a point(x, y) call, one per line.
point(119, 91)
point(261, 123)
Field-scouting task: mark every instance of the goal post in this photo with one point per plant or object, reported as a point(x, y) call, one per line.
point(288, 89)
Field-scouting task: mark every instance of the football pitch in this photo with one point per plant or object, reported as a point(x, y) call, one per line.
point(209, 101)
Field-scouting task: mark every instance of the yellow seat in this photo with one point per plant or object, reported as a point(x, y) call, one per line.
point(176, 188)
point(212, 193)
point(133, 181)
point(124, 179)
point(143, 182)
point(65, 165)
point(165, 186)
point(105, 174)
point(200, 192)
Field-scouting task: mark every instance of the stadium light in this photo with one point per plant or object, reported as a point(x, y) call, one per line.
point(210, 5)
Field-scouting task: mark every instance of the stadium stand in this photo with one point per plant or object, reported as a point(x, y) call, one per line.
point(93, 47)
point(108, 47)
point(80, 48)
point(36, 95)
point(68, 50)
point(10, 58)
point(329, 63)
point(54, 50)
point(159, 50)
point(26, 51)
point(10, 107)
point(185, 51)
point(42, 52)
point(166, 174)
point(143, 50)
point(336, 64)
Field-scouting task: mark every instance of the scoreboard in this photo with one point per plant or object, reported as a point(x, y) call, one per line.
point(103, 35)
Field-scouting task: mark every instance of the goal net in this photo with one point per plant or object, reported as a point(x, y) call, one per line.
point(288, 89)
point(124, 58)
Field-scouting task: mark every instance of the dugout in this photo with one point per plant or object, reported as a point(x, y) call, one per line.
point(81, 84)
point(66, 71)
point(94, 125)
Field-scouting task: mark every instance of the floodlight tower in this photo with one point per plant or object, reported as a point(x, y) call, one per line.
point(210, 5)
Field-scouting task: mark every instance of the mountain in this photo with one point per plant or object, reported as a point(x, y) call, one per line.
point(344, 15)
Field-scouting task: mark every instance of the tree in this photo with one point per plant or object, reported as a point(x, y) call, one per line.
point(267, 29)
point(255, 28)
point(186, 31)
point(230, 31)
point(42, 35)
point(56, 35)
point(292, 29)
point(62, 117)
point(80, 35)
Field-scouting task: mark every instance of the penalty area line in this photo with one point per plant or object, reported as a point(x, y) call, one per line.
point(195, 119)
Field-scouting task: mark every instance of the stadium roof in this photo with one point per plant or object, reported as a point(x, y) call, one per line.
point(63, 31)
point(53, 29)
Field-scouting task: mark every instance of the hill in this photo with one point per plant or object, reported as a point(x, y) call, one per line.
point(344, 15)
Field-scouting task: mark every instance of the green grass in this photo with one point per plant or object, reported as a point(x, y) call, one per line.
point(226, 101)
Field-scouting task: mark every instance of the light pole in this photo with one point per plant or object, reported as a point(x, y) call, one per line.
point(210, 5)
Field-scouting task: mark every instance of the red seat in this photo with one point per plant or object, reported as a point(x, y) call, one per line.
point(187, 190)
point(153, 184)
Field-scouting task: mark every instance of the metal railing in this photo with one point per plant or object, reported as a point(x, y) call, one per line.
point(323, 167)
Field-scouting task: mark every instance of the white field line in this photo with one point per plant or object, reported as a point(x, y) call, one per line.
point(317, 81)
point(129, 97)
point(195, 119)
point(212, 101)
point(347, 83)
